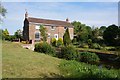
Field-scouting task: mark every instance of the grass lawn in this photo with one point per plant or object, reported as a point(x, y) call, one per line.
point(22, 63)
point(18, 62)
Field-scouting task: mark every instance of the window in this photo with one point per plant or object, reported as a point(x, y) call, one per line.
point(65, 28)
point(48, 35)
point(56, 36)
point(37, 35)
point(37, 27)
point(52, 28)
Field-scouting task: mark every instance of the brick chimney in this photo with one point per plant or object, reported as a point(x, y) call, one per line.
point(26, 14)
point(67, 20)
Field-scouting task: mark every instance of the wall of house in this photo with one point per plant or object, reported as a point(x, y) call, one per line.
point(32, 32)
point(51, 32)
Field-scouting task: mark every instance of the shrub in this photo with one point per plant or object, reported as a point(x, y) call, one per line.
point(66, 38)
point(95, 46)
point(83, 45)
point(53, 42)
point(44, 47)
point(69, 53)
point(74, 69)
point(89, 57)
point(59, 42)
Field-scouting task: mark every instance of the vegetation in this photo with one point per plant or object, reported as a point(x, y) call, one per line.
point(89, 57)
point(73, 69)
point(53, 42)
point(69, 52)
point(111, 35)
point(18, 62)
point(15, 58)
point(3, 11)
point(59, 42)
point(44, 47)
point(66, 37)
point(43, 32)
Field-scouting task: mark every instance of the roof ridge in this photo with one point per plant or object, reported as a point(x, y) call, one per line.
point(49, 19)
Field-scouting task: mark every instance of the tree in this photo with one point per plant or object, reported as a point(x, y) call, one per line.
point(5, 34)
point(66, 38)
point(3, 11)
point(43, 32)
point(18, 34)
point(110, 35)
point(81, 31)
point(102, 29)
point(95, 34)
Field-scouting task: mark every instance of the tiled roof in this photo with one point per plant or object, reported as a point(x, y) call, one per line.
point(47, 21)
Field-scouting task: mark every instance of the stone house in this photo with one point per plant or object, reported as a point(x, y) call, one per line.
point(55, 28)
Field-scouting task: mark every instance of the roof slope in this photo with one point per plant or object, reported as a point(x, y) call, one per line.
point(47, 21)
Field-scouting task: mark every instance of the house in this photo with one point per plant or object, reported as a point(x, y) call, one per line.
point(55, 28)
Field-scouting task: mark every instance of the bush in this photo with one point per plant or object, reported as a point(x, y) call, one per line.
point(69, 53)
point(59, 42)
point(89, 57)
point(53, 42)
point(74, 69)
point(95, 46)
point(44, 47)
point(83, 45)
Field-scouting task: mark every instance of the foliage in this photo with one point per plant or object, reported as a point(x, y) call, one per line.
point(95, 34)
point(59, 42)
point(18, 34)
point(88, 57)
point(53, 42)
point(89, 42)
point(102, 29)
point(44, 47)
point(3, 11)
point(5, 34)
point(82, 31)
point(83, 45)
point(69, 52)
point(66, 38)
point(95, 46)
point(74, 69)
point(110, 35)
point(43, 32)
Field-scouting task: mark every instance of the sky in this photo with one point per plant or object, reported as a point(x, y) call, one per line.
point(90, 13)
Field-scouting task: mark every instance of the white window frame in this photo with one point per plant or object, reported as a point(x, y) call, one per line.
point(55, 36)
point(53, 28)
point(39, 36)
point(48, 35)
point(37, 27)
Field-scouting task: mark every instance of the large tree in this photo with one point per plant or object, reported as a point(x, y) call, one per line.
point(102, 29)
point(18, 34)
point(43, 32)
point(66, 38)
point(81, 31)
point(111, 35)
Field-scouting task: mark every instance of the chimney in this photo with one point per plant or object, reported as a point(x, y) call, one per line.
point(26, 14)
point(67, 20)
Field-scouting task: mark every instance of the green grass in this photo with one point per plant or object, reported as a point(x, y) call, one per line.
point(97, 51)
point(23, 63)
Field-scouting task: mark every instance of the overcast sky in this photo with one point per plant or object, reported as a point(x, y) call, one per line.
point(90, 13)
